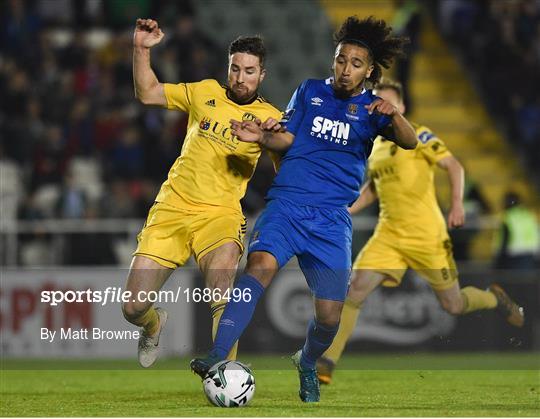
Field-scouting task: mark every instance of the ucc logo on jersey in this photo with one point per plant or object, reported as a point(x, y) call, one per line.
point(352, 108)
point(214, 130)
point(333, 131)
point(205, 124)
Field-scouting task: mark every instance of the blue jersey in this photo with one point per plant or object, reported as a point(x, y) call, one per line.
point(333, 138)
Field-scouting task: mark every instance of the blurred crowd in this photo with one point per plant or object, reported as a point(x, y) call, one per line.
point(500, 43)
point(69, 119)
point(75, 144)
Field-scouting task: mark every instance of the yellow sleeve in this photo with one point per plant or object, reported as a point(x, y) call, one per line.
point(432, 147)
point(179, 96)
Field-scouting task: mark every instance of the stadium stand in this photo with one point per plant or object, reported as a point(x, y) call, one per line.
point(82, 148)
point(446, 101)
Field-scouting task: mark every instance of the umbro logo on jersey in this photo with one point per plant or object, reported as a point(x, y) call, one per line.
point(316, 101)
point(211, 102)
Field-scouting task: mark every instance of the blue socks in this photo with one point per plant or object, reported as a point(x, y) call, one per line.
point(237, 315)
point(318, 340)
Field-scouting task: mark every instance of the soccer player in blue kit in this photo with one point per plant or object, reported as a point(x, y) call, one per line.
point(325, 138)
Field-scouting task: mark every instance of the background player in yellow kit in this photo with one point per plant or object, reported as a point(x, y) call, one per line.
point(197, 211)
point(411, 232)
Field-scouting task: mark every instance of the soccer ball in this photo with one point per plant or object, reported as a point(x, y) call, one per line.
point(229, 384)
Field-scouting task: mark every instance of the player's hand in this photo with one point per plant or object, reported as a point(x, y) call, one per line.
point(147, 33)
point(382, 107)
point(247, 131)
point(273, 125)
point(456, 217)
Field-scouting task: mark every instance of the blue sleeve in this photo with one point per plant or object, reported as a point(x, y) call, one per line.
point(379, 122)
point(294, 114)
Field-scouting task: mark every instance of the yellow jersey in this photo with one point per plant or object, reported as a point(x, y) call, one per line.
point(214, 167)
point(404, 181)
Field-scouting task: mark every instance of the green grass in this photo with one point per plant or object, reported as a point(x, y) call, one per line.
point(386, 385)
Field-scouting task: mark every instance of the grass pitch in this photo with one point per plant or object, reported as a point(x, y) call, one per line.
point(365, 385)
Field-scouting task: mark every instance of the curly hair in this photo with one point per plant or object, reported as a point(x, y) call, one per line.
point(374, 35)
point(253, 45)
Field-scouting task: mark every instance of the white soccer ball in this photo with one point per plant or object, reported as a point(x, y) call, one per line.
point(229, 384)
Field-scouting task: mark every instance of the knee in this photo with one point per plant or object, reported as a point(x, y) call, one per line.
point(219, 269)
point(329, 318)
point(262, 266)
point(358, 289)
point(454, 307)
point(261, 261)
point(134, 309)
point(221, 280)
point(329, 321)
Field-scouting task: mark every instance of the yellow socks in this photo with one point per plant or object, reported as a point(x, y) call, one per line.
point(217, 308)
point(349, 315)
point(149, 321)
point(476, 299)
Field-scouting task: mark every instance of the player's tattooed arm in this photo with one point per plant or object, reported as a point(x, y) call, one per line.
point(456, 176)
point(274, 138)
point(148, 89)
point(403, 132)
point(368, 195)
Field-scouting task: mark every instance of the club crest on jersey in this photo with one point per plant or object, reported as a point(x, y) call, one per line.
point(352, 110)
point(334, 131)
point(205, 124)
point(248, 116)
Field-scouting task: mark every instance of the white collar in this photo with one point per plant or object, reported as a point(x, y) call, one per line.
point(330, 80)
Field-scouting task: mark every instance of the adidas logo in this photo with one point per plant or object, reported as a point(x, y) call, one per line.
point(211, 102)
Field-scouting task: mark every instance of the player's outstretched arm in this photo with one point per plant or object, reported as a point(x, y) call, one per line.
point(368, 195)
point(268, 134)
point(148, 89)
point(403, 132)
point(456, 176)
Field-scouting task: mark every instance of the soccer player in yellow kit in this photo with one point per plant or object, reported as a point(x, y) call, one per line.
point(411, 232)
point(197, 210)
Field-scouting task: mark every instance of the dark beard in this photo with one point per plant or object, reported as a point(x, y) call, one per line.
point(342, 93)
point(240, 101)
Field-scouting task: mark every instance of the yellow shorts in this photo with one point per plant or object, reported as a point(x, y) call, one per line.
point(391, 255)
point(171, 235)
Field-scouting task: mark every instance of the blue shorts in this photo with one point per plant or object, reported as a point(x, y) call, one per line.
point(320, 237)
